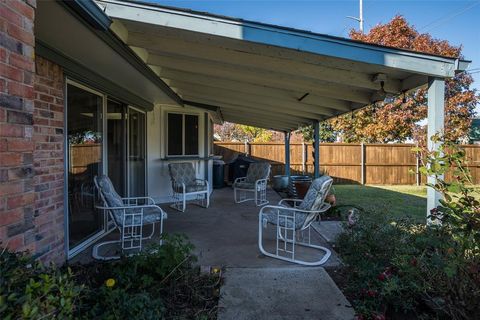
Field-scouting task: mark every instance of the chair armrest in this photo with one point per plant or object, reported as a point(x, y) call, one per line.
point(203, 181)
point(287, 208)
point(149, 199)
point(177, 187)
point(292, 200)
point(239, 179)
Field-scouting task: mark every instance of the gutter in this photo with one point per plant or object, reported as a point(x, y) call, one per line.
point(90, 12)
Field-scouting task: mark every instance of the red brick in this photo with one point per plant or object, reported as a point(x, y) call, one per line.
point(10, 15)
point(3, 86)
point(10, 217)
point(22, 62)
point(21, 90)
point(11, 187)
point(8, 159)
point(10, 72)
point(3, 55)
point(11, 130)
point(20, 145)
point(3, 115)
point(20, 34)
point(20, 201)
point(15, 243)
point(22, 8)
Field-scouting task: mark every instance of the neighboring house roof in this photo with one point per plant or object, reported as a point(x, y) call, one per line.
point(474, 134)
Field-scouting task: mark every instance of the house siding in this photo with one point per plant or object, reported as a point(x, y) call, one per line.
point(31, 139)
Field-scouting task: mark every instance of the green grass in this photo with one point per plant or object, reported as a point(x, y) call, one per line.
point(401, 201)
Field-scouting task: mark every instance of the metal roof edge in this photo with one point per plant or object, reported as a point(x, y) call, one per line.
point(90, 12)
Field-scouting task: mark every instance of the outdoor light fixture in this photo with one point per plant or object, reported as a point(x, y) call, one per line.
point(380, 94)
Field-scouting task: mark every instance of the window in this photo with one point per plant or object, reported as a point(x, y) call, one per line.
point(182, 134)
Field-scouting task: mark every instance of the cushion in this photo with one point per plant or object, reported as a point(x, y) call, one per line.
point(316, 194)
point(195, 188)
point(270, 215)
point(105, 187)
point(245, 185)
point(257, 171)
point(182, 172)
point(150, 215)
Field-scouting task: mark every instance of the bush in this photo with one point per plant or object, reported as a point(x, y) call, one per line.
point(29, 290)
point(395, 266)
point(156, 284)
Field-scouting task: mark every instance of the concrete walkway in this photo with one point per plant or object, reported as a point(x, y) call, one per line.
point(282, 293)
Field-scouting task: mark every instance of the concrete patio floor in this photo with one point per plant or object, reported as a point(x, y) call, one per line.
point(226, 234)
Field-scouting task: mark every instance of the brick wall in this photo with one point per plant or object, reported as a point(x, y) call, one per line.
point(48, 160)
point(31, 131)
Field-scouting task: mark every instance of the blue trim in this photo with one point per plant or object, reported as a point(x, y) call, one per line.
point(90, 12)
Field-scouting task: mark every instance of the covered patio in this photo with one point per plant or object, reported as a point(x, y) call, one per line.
point(271, 76)
point(224, 235)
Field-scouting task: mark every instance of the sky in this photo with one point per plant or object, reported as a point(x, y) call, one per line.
point(457, 21)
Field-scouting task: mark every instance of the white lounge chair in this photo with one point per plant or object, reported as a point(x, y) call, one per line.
point(255, 182)
point(129, 216)
point(185, 183)
point(293, 224)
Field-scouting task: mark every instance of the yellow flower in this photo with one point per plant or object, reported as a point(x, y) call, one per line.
point(110, 282)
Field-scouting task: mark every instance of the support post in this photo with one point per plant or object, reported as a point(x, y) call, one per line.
point(304, 158)
point(362, 164)
point(316, 145)
point(436, 115)
point(287, 153)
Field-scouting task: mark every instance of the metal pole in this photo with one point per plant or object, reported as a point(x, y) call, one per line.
point(316, 160)
point(361, 16)
point(287, 153)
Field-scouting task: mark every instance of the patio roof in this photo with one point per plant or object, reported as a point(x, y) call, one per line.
point(264, 75)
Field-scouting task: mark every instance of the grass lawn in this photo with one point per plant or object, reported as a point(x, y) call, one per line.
point(398, 200)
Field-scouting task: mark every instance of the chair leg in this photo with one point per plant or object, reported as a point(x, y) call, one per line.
point(284, 241)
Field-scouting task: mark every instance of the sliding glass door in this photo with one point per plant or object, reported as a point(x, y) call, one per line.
point(104, 136)
point(85, 161)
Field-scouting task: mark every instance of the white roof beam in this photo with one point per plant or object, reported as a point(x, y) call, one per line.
point(250, 99)
point(294, 40)
point(314, 105)
point(167, 45)
point(248, 107)
point(269, 124)
point(254, 76)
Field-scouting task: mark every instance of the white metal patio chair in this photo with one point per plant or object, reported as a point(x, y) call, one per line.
point(293, 224)
point(185, 183)
point(255, 182)
point(129, 215)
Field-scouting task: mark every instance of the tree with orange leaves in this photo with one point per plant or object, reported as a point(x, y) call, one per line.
point(396, 120)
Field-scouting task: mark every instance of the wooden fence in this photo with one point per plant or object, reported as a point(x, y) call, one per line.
point(346, 163)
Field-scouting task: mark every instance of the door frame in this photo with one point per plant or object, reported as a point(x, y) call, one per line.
point(107, 227)
point(71, 252)
point(144, 148)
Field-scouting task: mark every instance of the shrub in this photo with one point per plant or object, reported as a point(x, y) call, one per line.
point(159, 283)
point(396, 266)
point(29, 290)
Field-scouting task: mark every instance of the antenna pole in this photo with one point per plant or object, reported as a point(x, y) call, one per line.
point(360, 20)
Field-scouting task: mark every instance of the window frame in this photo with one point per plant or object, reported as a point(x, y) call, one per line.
point(183, 155)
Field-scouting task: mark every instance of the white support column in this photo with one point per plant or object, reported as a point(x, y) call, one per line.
point(316, 144)
point(436, 116)
point(287, 153)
